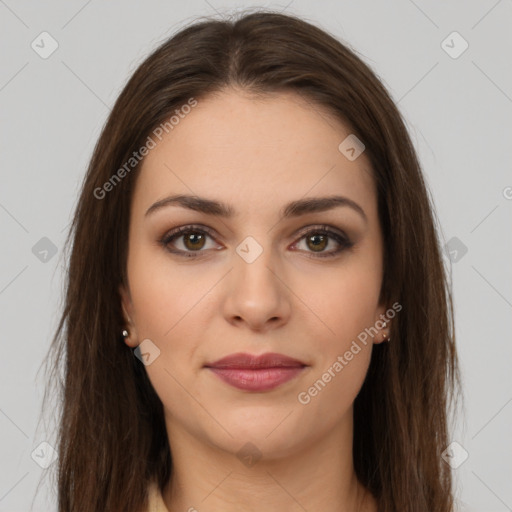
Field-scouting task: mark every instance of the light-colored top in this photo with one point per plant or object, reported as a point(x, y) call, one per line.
point(156, 502)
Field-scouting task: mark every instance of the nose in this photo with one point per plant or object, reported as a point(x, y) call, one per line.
point(256, 294)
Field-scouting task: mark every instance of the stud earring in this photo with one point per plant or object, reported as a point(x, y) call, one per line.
point(125, 333)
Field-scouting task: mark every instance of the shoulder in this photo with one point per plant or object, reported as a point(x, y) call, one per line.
point(155, 500)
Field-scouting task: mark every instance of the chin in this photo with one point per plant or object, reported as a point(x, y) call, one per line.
point(273, 432)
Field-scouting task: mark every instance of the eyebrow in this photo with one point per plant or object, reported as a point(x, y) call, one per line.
point(293, 209)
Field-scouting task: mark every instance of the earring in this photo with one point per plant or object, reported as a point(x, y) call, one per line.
point(125, 333)
point(385, 335)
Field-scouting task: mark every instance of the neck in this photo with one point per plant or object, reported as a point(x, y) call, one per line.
point(316, 476)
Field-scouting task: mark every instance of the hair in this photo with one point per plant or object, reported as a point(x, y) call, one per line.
point(112, 439)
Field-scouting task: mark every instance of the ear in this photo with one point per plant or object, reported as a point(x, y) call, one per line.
point(127, 306)
point(382, 323)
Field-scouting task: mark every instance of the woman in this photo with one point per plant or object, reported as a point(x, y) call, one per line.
point(257, 315)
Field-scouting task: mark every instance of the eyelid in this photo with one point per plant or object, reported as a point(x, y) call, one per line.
point(321, 227)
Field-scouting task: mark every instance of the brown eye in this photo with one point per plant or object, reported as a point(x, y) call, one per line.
point(317, 242)
point(186, 240)
point(193, 240)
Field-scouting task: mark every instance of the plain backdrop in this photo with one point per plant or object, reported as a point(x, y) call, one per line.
point(455, 91)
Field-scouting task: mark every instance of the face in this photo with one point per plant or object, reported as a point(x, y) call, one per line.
point(302, 281)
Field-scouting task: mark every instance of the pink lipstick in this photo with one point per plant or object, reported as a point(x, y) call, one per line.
point(256, 373)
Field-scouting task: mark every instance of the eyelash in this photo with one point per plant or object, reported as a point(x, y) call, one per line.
point(170, 236)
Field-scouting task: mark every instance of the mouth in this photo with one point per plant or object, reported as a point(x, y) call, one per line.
point(256, 373)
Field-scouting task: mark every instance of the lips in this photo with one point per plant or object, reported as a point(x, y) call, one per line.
point(256, 373)
point(248, 361)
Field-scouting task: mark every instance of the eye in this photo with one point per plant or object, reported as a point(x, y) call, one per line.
point(193, 239)
point(318, 238)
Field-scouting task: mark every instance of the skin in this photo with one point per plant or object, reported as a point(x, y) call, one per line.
point(256, 154)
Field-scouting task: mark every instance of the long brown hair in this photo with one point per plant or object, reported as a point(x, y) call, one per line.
point(112, 439)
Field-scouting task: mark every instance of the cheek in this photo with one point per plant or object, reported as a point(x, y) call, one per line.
point(346, 308)
point(168, 301)
point(331, 392)
point(164, 293)
point(342, 301)
point(173, 308)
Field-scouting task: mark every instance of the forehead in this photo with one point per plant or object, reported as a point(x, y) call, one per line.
point(256, 152)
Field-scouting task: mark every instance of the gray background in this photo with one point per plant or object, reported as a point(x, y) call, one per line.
point(458, 112)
